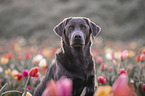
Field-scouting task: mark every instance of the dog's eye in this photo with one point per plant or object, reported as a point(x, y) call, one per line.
point(83, 27)
point(71, 27)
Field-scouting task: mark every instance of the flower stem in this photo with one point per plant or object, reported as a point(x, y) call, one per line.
point(26, 85)
point(11, 91)
point(3, 87)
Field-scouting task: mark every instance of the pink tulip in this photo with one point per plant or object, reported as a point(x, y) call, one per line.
point(120, 87)
point(99, 60)
point(102, 66)
point(65, 86)
point(124, 55)
point(142, 57)
point(62, 87)
point(51, 89)
point(122, 71)
point(25, 73)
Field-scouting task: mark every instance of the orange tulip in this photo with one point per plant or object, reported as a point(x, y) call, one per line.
point(4, 60)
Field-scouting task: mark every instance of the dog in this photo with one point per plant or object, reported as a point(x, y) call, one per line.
point(74, 60)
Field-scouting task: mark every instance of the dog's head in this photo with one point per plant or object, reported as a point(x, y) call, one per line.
point(76, 31)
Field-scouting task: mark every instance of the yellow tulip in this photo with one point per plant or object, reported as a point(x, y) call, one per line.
point(27, 94)
point(103, 91)
point(4, 60)
point(8, 72)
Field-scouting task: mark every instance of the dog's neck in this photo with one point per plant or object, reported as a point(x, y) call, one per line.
point(76, 51)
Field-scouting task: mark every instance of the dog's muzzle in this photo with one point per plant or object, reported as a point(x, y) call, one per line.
point(77, 39)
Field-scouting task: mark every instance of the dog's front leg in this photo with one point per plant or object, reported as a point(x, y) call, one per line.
point(90, 86)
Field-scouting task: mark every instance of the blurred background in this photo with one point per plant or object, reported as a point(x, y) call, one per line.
point(27, 37)
point(119, 19)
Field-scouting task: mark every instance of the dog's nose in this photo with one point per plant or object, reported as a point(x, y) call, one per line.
point(77, 36)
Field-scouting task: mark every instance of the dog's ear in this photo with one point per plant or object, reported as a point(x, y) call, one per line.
point(95, 29)
point(59, 29)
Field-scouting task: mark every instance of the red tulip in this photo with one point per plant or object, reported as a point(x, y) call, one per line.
point(120, 87)
point(122, 71)
point(138, 58)
point(33, 71)
point(143, 87)
point(29, 88)
point(19, 76)
point(27, 56)
point(102, 80)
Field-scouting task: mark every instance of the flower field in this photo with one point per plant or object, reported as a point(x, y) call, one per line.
point(120, 67)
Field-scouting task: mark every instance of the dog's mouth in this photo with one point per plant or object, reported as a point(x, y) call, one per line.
point(77, 45)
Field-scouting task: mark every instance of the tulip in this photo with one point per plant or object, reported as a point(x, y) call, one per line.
point(19, 76)
point(102, 80)
point(64, 86)
point(143, 52)
point(8, 72)
point(110, 68)
point(109, 56)
point(120, 87)
point(14, 73)
point(143, 87)
point(138, 58)
point(29, 88)
point(27, 94)
point(122, 71)
point(142, 57)
point(124, 55)
point(116, 63)
point(43, 63)
point(37, 59)
point(102, 66)
point(25, 73)
point(99, 60)
point(4, 60)
point(51, 89)
point(10, 55)
point(103, 91)
point(37, 75)
point(33, 71)
point(27, 56)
